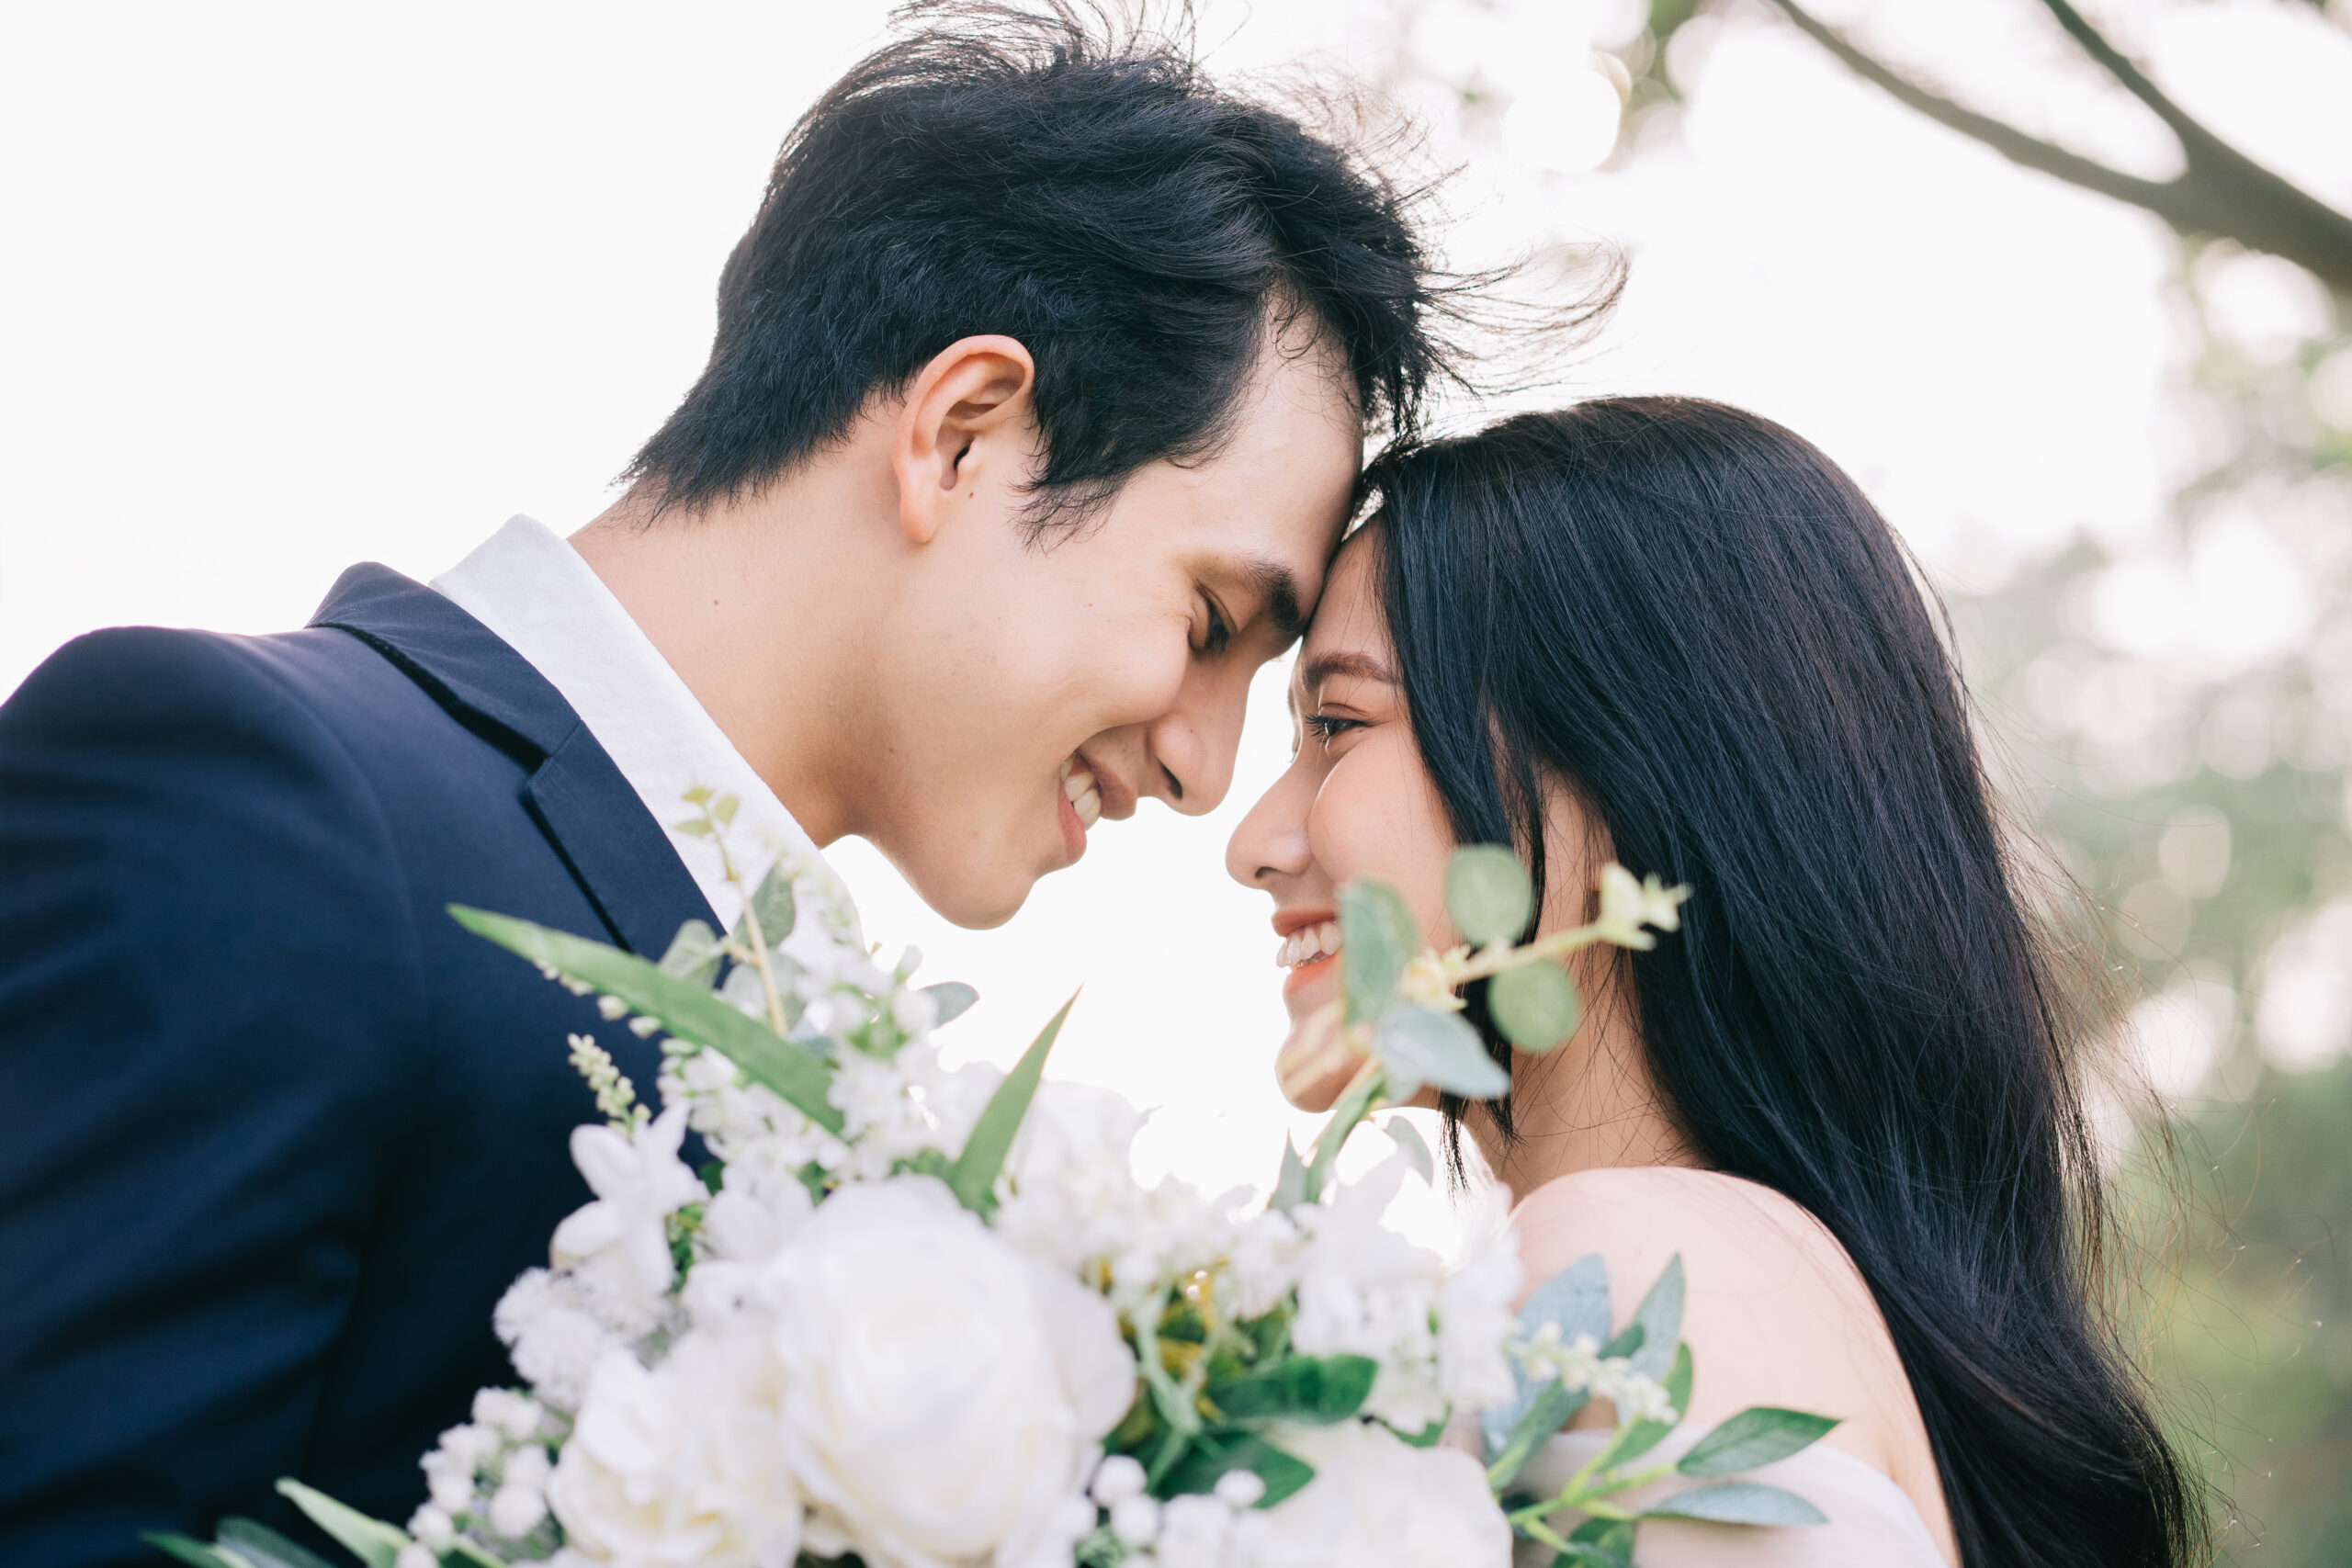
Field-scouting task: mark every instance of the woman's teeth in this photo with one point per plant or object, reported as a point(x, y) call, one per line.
point(1308, 943)
point(1078, 783)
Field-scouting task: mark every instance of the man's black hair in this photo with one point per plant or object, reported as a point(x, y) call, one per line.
point(1081, 187)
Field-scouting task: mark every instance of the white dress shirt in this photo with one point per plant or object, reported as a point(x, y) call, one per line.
point(528, 585)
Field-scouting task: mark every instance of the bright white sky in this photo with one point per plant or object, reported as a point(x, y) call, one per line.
point(293, 286)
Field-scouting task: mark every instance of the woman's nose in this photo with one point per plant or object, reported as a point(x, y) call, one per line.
point(1270, 844)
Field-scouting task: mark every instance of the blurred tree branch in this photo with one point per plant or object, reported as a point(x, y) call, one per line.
point(2221, 193)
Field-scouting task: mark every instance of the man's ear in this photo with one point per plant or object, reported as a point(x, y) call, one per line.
point(968, 414)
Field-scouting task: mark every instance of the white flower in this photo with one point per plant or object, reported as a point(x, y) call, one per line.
point(414, 1555)
point(1626, 906)
point(555, 1341)
point(1475, 1320)
point(1363, 1290)
point(640, 1181)
point(680, 1466)
point(761, 1201)
point(516, 1511)
point(944, 1396)
point(1376, 1501)
point(1263, 1264)
point(1196, 1532)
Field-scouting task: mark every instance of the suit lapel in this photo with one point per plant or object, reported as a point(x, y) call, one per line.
point(620, 856)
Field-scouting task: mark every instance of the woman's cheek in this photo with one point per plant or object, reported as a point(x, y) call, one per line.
point(1378, 818)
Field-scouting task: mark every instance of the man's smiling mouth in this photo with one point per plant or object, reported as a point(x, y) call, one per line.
point(1084, 794)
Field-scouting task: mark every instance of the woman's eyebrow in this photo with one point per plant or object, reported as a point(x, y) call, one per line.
point(1363, 666)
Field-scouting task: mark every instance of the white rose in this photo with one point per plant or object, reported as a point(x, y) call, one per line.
point(945, 1397)
point(1363, 1290)
point(680, 1467)
point(1375, 1501)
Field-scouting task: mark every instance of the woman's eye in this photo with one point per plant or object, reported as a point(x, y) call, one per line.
point(1220, 635)
point(1326, 727)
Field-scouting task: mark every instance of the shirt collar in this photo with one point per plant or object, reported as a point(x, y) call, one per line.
point(528, 585)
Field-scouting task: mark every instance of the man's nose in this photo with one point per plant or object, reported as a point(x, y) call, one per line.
point(1193, 746)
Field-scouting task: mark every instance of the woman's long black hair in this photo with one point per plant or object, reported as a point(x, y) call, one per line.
point(1694, 622)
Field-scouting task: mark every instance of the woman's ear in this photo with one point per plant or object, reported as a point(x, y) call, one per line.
point(967, 420)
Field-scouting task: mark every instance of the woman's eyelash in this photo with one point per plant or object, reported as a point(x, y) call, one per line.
point(1220, 635)
point(1324, 727)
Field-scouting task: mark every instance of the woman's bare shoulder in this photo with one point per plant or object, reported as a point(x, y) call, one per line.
point(1747, 1237)
point(1775, 1313)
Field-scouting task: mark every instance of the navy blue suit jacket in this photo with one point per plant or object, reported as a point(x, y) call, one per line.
point(275, 1132)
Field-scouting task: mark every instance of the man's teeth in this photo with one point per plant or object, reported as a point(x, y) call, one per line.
point(1308, 943)
point(1085, 798)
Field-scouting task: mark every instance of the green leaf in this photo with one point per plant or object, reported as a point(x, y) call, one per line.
point(954, 996)
point(1346, 1116)
point(1549, 1407)
point(1216, 1456)
point(264, 1546)
point(693, 954)
point(1577, 1298)
point(1411, 1144)
point(1757, 1435)
point(1419, 1046)
point(1427, 1438)
point(1608, 1534)
point(697, 794)
point(192, 1551)
point(1378, 934)
point(1580, 1555)
point(688, 1011)
point(1659, 1318)
point(1738, 1503)
point(772, 901)
point(724, 808)
point(373, 1542)
point(974, 1177)
point(1318, 1390)
point(1628, 1341)
point(1487, 893)
point(1290, 1185)
point(1535, 1004)
point(693, 828)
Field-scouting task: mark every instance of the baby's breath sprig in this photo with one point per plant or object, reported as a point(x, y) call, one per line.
point(615, 1096)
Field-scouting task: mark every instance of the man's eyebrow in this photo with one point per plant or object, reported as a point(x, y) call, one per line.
point(1277, 590)
point(1363, 666)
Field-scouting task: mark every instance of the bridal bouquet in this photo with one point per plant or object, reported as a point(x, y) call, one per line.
point(912, 1315)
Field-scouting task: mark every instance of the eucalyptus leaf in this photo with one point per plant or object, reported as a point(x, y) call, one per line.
point(1757, 1435)
point(688, 1011)
point(1316, 1389)
point(1659, 1318)
point(1577, 1298)
point(1411, 1144)
point(1549, 1407)
point(1738, 1503)
point(974, 1179)
point(1377, 935)
point(1218, 1455)
point(1536, 1005)
point(692, 955)
point(373, 1542)
point(955, 999)
point(1423, 1045)
point(194, 1552)
point(1487, 893)
point(774, 903)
